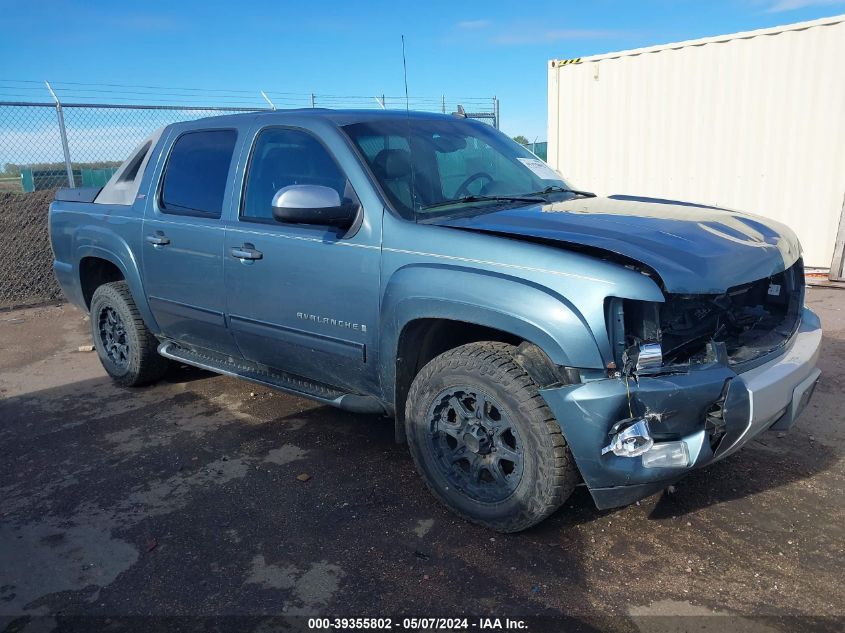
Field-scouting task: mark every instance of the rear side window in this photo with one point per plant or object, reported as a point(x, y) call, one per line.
point(196, 173)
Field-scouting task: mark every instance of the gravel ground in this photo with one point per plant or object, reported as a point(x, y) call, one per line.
point(185, 499)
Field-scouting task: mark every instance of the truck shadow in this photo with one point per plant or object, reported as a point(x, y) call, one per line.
point(178, 373)
point(199, 473)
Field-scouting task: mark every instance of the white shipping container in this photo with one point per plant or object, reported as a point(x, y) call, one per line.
point(752, 121)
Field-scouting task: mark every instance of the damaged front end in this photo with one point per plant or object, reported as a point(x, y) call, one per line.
point(691, 380)
point(737, 327)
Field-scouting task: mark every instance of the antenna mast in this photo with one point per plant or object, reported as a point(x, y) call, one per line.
point(408, 121)
point(405, 74)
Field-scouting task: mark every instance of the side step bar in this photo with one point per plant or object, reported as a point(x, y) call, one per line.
point(283, 381)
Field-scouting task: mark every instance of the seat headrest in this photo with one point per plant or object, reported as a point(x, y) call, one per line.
point(285, 158)
point(393, 164)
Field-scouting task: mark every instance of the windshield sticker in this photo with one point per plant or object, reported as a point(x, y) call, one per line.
point(540, 168)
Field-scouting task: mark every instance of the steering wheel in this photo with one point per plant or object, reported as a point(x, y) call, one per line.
point(463, 190)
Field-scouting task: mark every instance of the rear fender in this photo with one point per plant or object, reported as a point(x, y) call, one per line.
point(104, 244)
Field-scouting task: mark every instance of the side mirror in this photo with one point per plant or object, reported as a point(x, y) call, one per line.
point(312, 204)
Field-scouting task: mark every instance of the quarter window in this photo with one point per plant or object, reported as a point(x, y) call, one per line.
point(283, 157)
point(196, 173)
point(132, 167)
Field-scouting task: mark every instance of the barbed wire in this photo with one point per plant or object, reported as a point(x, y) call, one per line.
point(92, 92)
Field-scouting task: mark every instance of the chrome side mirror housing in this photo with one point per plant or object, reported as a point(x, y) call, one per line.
point(312, 204)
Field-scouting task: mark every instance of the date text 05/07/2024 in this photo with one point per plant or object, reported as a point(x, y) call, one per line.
point(416, 624)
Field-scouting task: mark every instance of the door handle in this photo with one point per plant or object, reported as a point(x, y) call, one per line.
point(158, 240)
point(246, 252)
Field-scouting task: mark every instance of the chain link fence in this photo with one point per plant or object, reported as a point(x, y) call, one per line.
point(45, 146)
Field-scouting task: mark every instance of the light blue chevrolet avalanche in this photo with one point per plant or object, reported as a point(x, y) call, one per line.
point(525, 336)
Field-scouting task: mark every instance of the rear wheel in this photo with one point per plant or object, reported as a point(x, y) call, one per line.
point(127, 349)
point(484, 440)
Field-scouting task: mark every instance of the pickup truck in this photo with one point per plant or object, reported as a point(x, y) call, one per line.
point(526, 336)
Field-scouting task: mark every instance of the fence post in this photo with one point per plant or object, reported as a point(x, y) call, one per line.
point(496, 112)
point(312, 100)
point(267, 99)
point(63, 133)
point(443, 104)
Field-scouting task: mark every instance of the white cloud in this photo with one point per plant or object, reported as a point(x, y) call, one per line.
point(144, 23)
point(472, 25)
point(792, 5)
point(553, 35)
point(525, 32)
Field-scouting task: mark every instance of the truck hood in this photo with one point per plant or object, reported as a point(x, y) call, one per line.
point(693, 248)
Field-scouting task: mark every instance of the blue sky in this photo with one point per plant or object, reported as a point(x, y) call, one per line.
point(460, 49)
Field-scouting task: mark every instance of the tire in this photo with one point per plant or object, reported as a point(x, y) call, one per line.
point(476, 408)
point(127, 349)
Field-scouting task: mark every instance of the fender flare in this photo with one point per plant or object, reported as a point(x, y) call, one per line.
point(126, 262)
point(527, 310)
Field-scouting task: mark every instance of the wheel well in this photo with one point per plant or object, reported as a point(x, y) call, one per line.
point(423, 339)
point(93, 273)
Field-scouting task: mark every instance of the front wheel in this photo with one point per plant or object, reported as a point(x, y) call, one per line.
point(484, 440)
point(127, 349)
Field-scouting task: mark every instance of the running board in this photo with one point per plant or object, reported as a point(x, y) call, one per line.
point(281, 380)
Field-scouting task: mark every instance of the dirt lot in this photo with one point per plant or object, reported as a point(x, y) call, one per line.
point(183, 499)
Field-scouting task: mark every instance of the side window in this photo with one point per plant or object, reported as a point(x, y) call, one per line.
point(196, 173)
point(390, 158)
point(283, 157)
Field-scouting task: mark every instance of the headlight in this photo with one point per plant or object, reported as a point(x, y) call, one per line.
point(633, 329)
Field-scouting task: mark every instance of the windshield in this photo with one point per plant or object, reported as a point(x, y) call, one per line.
point(435, 167)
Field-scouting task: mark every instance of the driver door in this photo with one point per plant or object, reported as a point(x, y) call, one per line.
point(307, 300)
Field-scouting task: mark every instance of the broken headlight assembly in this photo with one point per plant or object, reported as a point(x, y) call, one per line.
point(643, 355)
point(634, 331)
point(738, 325)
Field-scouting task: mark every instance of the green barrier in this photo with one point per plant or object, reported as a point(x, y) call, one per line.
point(27, 182)
point(38, 179)
point(97, 177)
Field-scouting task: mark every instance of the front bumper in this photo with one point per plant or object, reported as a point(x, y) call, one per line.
point(771, 395)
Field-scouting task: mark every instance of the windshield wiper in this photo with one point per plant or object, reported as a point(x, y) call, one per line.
point(559, 189)
point(469, 199)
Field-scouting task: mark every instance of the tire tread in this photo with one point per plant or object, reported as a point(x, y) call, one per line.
point(150, 365)
point(496, 361)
